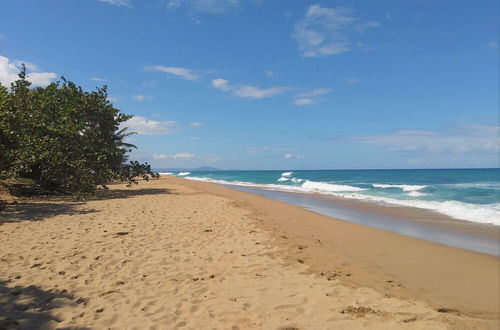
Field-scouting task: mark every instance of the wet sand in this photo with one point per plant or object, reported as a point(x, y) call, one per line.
point(413, 222)
point(442, 275)
point(173, 253)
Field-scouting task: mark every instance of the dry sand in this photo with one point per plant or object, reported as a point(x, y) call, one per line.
point(177, 254)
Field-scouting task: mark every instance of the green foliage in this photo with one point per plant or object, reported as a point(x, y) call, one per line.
point(64, 138)
point(129, 172)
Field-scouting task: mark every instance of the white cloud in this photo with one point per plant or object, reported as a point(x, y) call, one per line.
point(310, 98)
point(195, 19)
point(270, 73)
point(180, 156)
point(184, 73)
point(9, 73)
point(493, 45)
point(362, 27)
point(29, 66)
point(142, 97)
point(174, 3)
point(184, 155)
point(41, 78)
point(98, 79)
point(214, 6)
point(292, 156)
point(145, 126)
point(160, 156)
point(247, 91)
point(196, 124)
point(194, 138)
point(303, 101)
point(326, 31)
point(351, 81)
point(458, 140)
point(222, 84)
point(207, 6)
point(124, 3)
point(315, 92)
point(183, 158)
point(256, 92)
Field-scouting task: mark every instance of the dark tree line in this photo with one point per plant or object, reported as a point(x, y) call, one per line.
point(64, 138)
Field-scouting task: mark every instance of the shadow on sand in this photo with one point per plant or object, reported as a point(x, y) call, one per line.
point(37, 209)
point(104, 194)
point(30, 307)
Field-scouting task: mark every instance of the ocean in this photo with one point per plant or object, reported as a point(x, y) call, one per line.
point(466, 195)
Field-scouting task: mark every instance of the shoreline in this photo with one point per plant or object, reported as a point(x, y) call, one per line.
point(183, 254)
point(441, 275)
point(419, 205)
point(403, 220)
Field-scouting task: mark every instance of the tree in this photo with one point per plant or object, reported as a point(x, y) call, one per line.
point(64, 138)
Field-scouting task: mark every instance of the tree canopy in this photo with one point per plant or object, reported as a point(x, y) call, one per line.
point(64, 138)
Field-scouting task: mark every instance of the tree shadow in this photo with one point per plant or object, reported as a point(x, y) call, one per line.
point(30, 307)
point(29, 189)
point(41, 208)
point(104, 194)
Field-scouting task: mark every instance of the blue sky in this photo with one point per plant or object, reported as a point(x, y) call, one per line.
point(277, 84)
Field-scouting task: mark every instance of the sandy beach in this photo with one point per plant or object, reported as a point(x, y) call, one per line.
point(173, 253)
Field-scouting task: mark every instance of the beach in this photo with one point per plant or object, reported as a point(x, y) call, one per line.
point(408, 221)
point(173, 253)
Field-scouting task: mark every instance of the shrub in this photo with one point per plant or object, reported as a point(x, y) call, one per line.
point(64, 138)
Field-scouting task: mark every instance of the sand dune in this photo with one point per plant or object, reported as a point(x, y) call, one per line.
point(166, 256)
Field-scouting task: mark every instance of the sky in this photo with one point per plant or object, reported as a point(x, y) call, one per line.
point(277, 84)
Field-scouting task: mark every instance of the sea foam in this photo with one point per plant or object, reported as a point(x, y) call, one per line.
point(306, 187)
point(313, 186)
point(183, 173)
point(485, 213)
point(474, 185)
point(404, 187)
point(416, 194)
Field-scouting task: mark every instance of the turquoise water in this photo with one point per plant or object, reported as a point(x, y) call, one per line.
point(464, 194)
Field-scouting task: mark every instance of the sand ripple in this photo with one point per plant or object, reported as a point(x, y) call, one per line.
point(177, 259)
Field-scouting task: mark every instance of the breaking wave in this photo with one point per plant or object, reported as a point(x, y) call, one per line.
point(485, 213)
point(404, 187)
point(475, 185)
point(312, 186)
point(416, 194)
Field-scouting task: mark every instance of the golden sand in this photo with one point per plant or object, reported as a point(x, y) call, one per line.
point(171, 254)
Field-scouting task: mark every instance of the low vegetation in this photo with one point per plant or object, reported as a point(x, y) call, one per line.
point(64, 139)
